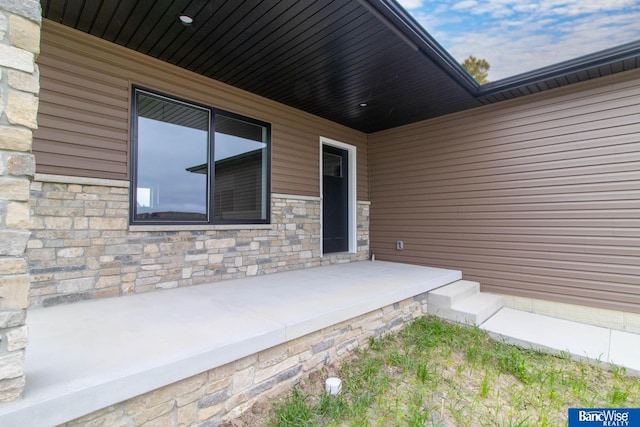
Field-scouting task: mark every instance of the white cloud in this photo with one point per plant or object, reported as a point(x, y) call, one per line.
point(515, 52)
point(502, 8)
point(465, 4)
point(411, 4)
point(517, 36)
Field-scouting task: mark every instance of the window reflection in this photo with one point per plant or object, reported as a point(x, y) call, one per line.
point(172, 175)
point(172, 138)
point(240, 170)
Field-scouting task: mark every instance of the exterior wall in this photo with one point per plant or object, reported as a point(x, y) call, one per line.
point(84, 115)
point(19, 87)
point(82, 247)
point(226, 392)
point(536, 197)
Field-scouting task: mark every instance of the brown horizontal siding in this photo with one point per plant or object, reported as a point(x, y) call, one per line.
point(82, 120)
point(84, 113)
point(537, 197)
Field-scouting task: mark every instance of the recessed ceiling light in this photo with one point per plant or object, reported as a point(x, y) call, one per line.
point(185, 19)
point(363, 104)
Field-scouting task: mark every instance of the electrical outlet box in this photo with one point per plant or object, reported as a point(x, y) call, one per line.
point(399, 245)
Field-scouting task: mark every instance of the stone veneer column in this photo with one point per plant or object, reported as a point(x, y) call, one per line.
point(20, 22)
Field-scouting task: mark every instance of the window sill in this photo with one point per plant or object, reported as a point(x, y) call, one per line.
point(200, 227)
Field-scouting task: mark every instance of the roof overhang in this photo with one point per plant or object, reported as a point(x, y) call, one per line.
point(365, 64)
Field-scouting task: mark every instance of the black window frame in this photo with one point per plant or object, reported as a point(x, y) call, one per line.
point(210, 203)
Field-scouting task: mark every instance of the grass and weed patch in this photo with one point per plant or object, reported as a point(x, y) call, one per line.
point(437, 373)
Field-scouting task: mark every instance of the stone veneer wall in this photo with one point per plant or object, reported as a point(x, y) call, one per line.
point(82, 247)
point(224, 393)
point(19, 88)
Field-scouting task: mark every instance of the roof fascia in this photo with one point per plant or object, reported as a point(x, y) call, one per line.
point(407, 28)
point(390, 13)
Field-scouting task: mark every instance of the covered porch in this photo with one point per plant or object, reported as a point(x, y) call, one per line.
point(90, 355)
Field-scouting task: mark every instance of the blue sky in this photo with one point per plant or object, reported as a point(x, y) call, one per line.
point(519, 36)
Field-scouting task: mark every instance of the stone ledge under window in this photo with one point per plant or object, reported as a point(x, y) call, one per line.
point(200, 227)
point(67, 179)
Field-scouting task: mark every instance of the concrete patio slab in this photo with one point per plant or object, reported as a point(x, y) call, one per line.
point(86, 356)
point(89, 355)
point(339, 293)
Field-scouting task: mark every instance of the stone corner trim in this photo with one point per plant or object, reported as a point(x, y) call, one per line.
point(19, 46)
point(29, 9)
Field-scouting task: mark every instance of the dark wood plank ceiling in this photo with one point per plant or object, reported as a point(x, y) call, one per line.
point(325, 57)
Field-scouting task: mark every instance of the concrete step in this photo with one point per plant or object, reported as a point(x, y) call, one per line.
point(462, 302)
point(447, 296)
point(479, 307)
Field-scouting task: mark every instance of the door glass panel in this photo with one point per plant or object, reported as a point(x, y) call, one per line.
point(331, 165)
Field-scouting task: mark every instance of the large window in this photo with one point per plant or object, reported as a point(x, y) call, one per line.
point(194, 164)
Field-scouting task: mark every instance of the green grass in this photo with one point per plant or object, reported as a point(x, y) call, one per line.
point(436, 373)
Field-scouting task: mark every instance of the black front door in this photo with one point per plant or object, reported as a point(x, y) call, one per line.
point(335, 199)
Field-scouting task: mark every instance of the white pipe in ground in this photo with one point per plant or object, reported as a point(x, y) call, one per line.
point(333, 385)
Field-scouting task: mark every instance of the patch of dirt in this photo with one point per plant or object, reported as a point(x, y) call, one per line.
point(262, 412)
point(259, 415)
